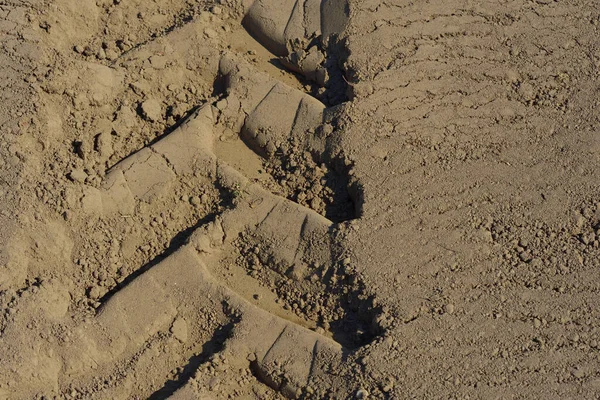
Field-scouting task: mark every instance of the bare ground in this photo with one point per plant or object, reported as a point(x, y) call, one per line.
point(299, 199)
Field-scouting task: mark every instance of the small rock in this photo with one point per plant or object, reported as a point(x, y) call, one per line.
point(95, 292)
point(87, 51)
point(80, 101)
point(152, 110)
point(574, 337)
point(216, 10)
point(210, 33)
point(158, 62)
point(221, 104)
point(449, 308)
point(103, 144)
point(179, 110)
point(195, 201)
point(141, 87)
point(512, 76)
point(525, 256)
point(68, 215)
point(180, 330)
point(111, 54)
point(362, 394)
point(77, 175)
point(578, 373)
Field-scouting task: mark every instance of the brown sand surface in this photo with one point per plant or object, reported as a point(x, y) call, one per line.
point(316, 199)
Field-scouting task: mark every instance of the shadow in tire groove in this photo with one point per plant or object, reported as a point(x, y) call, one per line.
point(210, 348)
point(175, 243)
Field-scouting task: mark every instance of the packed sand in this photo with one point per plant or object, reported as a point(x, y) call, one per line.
point(316, 199)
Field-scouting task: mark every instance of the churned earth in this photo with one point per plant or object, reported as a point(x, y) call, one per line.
point(299, 199)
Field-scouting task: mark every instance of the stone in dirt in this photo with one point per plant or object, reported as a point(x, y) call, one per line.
point(152, 110)
point(180, 330)
point(77, 175)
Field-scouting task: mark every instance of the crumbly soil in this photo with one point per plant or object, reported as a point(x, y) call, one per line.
point(436, 235)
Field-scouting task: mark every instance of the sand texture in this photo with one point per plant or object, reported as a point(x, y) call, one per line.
point(299, 199)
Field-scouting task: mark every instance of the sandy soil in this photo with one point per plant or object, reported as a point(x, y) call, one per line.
point(317, 199)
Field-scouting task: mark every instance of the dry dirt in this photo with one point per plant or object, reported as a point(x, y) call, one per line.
point(317, 199)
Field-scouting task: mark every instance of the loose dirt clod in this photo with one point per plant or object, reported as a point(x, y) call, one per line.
point(152, 110)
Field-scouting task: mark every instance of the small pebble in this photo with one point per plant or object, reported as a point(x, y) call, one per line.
point(111, 54)
point(221, 104)
point(77, 175)
point(578, 373)
point(87, 51)
point(68, 215)
point(95, 292)
point(574, 337)
point(195, 201)
point(152, 110)
point(210, 33)
point(179, 329)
